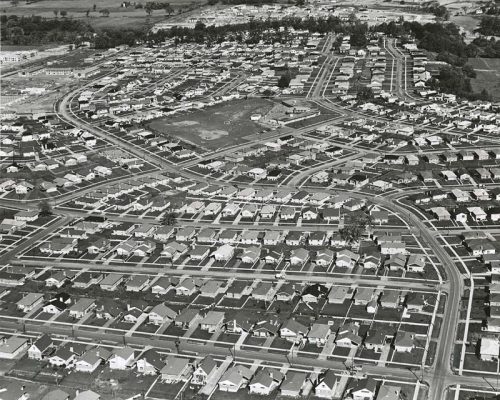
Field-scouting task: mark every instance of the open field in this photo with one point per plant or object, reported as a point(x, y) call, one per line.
point(488, 75)
point(118, 17)
point(215, 127)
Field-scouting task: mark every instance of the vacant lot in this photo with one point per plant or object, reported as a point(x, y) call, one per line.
point(488, 75)
point(218, 126)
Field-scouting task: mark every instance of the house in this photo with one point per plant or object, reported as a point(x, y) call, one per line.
point(212, 288)
point(212, 322)
point(268, 211)
point(389, 392)
point(30, 302)
point(185, 234)
point(286, 292)
point(238, 289)
point(14, 390)
point(415, 263)
point(186, 288)
point(149, 363)
point(390, 299)
point(346, 259)
point(294, 238)
point(318, 334)
point(404, 342)
point(316, 238)
point(81, 308)
point(347, 336)
point(293, 384)
point(338, 294)
point(223, 253)
point(206, 235)
point(273, 257)
point(363, 296)
point(122, 358)
point(40, 347)
point(109, 308)
point(56, 394)
point(326, 385)
point(266, 328)
point(376, 340)
point(324, 257)
point(63, 357)
point(161, 314)
point(393, 248)
point(177, 369)
point(263, 291)
point(272, 238)
point(174, 250)
point(204, 372)
point(363, 389)
point(111, 282)
point(249, 210)
point(250, 237)
point(163, 233)
point(87, 395)
point(265, 381)
point(313, 293)
point(137, 283)
point(187, 318)
point(489, 348)
point(235, 378)
point(331, 214)
point(293, 331)
point(163, 285)
point(228, 236)
point(250, 255)
point(299, 256)
point(91, 359)
point(57, 304)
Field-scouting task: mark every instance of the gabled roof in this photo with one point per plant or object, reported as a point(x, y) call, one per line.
point(207, 365)
point(153, 358)
point(43, 343)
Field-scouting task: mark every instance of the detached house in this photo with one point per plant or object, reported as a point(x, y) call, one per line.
point(204, 372)
point(326, 385)
point(235, 378)
point(265, 381)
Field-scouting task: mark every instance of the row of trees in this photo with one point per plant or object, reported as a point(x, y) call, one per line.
point(489, 26)
point(32, 30)
point(254, 31)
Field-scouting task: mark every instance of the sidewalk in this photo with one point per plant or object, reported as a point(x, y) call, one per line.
point(212, 383)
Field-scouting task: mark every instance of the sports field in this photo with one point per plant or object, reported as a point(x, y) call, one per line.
point(488, 75)
point(218, 126)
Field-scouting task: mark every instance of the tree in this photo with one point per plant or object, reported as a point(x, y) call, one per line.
point(63, 13)
point(148, 9)
point(14, 2)
point(94, 7)
point(284, 80)
point(87, 13)
point(168, 9)
point(56, 12)
point(105, 12)
point(365, 94)
point(356, 226)
point(44, 208)
point(169, 219)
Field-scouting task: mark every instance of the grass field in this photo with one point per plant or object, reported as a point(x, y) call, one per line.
point(118, 17)
point(218, 126)
point(488, 75)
